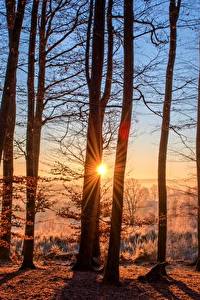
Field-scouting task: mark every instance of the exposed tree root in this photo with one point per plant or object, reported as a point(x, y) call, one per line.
point(156, 274)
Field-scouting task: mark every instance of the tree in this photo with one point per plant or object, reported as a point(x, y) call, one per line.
point(7, 120)
point(103, 102)
point(7, 196)
point(198, 172)
point(174, 9)
point(134, 196)
point(91, 186)
point(31, 158)
point(106, 139)
point(37, 102)
point(158, 272)
point(14, 23)
point(111, 274)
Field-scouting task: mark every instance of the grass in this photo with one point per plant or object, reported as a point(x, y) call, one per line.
point(138, 245)
point(55, 236)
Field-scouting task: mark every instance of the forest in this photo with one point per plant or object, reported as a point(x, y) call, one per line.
point(99, 149)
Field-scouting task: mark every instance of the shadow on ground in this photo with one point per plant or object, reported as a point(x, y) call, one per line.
point(4, 278)
point(176, 290)
point(87, 285)
point(60, 283)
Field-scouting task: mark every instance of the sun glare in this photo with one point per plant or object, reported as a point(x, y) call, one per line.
point(102, 169)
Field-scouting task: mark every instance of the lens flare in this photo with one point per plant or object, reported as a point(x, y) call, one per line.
point(102, 169)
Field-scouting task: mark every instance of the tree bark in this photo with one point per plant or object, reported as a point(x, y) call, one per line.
point(198, 172)
point(111, 275)
point(34, 125)
point(7, 196)
point(91, 186)
point(104, 100)
point(7, 122)
point(9, 89)
point(162, 157)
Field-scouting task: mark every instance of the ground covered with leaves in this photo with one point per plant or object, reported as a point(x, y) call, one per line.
point(57, 281)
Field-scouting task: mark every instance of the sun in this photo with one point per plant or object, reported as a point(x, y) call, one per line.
point(102, 169)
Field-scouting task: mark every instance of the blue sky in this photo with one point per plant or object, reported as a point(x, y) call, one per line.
point(143, 146)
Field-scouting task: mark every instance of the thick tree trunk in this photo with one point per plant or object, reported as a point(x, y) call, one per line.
point(198, 172)
point(162, 157)
point(91, 186)
point(111, 275)
point(104, 100)
point(9, 89)
point(90, 195)
point(34, 126)
point(7, 122)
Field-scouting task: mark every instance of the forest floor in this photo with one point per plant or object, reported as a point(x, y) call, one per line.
point(56, 281)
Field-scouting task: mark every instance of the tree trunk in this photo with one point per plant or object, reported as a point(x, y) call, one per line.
point(9, 89)
point(7, 121)
point(104, 100)
point(162, 188)
point(91, 186)
point(198, 171)
point(34, 126)
point(111, 275)
point(6, 213)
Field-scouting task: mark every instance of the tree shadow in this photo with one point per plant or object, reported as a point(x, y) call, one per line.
point(164, 289)
point(186, 289)
point(9, 276)
point(74, 285)
point(88, 285)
